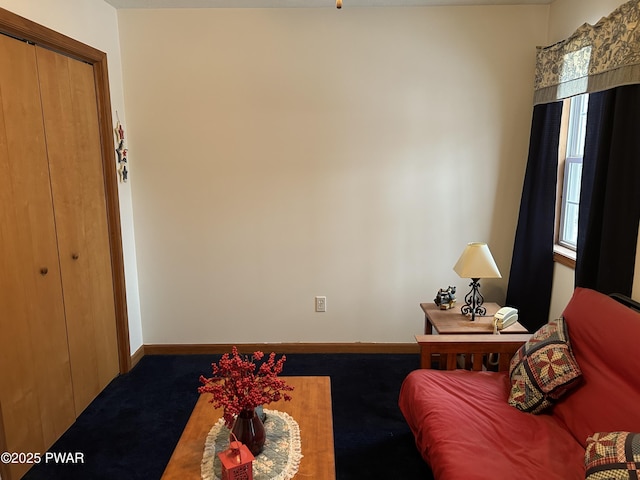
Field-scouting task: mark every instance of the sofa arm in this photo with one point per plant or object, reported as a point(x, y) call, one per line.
point(474, 347)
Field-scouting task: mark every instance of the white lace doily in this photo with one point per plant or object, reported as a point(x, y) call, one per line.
point(279, 460)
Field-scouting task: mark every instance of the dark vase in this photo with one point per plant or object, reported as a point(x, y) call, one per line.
point(248, 429)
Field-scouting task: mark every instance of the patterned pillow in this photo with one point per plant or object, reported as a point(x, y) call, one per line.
point(543, 369)
point(612, 456)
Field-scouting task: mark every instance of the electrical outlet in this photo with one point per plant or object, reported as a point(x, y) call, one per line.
point(321, 304)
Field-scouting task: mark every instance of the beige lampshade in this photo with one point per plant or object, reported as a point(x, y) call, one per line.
point(476, 262)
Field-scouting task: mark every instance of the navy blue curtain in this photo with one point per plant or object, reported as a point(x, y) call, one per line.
point(531, 276)
point(610, 192)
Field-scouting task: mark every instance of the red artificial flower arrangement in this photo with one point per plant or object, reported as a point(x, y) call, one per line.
point(237, 386)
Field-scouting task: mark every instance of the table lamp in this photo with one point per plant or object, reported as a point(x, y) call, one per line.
point(475, 263)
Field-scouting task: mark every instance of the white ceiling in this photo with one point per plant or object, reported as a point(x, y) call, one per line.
point(308, 3)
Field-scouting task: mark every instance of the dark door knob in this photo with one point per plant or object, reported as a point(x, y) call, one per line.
point(44, 271)
point(74, 256)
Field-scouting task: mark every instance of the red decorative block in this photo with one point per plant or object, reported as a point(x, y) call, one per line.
point(237, 462)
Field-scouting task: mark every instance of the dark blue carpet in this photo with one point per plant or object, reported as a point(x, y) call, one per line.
point(131, 429)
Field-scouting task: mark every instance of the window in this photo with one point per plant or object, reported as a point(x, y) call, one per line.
point(571, 151)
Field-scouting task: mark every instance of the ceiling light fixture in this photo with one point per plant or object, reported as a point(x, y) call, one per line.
point(338, 4)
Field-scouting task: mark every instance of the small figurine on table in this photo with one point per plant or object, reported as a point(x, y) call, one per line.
point(446, 299)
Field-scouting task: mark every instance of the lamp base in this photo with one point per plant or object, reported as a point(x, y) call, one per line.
point(473, 301)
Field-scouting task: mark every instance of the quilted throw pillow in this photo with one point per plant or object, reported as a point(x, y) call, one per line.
point(612, 456)
point(543, 369)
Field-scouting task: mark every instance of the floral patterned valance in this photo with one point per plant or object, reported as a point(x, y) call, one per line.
point(595, 58)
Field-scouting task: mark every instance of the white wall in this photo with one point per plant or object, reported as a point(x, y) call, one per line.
point(94, 23)
point(279, 154)
point(564, 18)
point(282, 154)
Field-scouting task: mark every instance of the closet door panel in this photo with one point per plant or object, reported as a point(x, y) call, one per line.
point(77, 181)
point(35, 378)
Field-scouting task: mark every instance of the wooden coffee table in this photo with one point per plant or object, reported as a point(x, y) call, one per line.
point(310, 407)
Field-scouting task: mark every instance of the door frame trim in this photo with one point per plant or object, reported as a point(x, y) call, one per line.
point(22, 28)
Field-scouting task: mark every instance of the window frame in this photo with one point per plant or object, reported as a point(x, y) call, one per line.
point(562, 252)
point(564, 203)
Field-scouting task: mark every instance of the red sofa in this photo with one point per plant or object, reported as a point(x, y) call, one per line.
point(465, 428)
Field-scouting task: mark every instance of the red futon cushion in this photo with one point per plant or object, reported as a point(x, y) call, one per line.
point(605, 338)
point(465, 429)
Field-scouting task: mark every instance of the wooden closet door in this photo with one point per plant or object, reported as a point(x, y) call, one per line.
point(35, 378)
point(75, 161)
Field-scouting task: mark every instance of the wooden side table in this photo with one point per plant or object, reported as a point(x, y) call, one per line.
point(458, 329)
point(452, 321)
point(475, 349)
